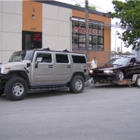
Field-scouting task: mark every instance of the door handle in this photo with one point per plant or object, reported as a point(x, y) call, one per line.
point(50, 66)
point(68, 66)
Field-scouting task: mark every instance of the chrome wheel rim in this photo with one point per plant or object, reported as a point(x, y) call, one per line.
point(18, 89)
point(78, 84)
point(121, 76)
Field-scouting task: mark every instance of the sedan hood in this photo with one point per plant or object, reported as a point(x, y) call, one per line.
point(110, 67)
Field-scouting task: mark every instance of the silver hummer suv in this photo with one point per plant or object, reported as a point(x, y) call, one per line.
point(42, 69)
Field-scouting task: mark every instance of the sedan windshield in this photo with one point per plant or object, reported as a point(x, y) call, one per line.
point(111, 61)
point(121, 62)
point(21, 55)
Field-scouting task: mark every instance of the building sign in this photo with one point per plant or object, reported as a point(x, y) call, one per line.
point(82, 30)
point(37, 37)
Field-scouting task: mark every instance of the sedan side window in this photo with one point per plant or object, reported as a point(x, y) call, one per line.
point(133, 61)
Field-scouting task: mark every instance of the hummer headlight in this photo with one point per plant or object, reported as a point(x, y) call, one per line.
point(108, 71)
point(1, 70)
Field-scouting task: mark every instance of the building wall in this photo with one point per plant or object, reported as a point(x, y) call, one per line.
point(30, 23)
point(10, 28)
point(56, 27)
point(53, 21)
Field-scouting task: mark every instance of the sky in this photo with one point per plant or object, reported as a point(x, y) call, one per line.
point(104, 6)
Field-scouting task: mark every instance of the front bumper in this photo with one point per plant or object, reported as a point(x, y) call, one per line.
point(104, 78)
point(2, 81)
point(3, 76)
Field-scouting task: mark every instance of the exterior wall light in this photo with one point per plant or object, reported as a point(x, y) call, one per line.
point(33, 16)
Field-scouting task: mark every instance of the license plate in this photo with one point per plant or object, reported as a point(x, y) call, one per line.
point(134, 78)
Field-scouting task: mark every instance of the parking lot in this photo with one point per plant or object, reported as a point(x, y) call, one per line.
point(103, 112)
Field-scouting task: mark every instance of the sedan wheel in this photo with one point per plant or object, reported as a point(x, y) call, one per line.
point(120, 75)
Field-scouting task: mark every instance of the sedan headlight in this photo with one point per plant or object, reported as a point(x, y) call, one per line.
point(91, 71)
point(108, 71)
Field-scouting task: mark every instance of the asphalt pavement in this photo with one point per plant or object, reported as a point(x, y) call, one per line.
point(101, 112)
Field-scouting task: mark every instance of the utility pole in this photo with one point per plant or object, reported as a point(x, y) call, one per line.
point(121, 48)
point(138, 52)
point(87, 29)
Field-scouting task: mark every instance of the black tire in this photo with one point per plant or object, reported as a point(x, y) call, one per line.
point(16, 89)
point(1, 91)
point(77, 84)
point(119, 75)
point(138, 81)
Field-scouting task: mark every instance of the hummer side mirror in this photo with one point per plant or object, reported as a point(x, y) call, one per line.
point(38, 60)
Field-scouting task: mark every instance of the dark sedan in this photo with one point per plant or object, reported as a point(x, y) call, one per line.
point(118, 69)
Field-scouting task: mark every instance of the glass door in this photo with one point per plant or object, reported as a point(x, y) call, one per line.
point(31, 40)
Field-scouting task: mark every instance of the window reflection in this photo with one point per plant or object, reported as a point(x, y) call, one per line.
point(96, 35)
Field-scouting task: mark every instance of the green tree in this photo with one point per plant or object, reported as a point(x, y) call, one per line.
point(92, 8)
point(127, 52)
point(129, 14)
point(77, 4)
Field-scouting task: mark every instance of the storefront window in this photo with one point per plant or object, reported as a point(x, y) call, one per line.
point(94, 39)
point(96, 35)
point(82, 46)
point(82, 38)
point(100, 40)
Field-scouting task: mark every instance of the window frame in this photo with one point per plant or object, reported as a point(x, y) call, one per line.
point(62, 59)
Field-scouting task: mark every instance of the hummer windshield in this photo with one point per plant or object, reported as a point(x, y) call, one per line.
point(21, 55)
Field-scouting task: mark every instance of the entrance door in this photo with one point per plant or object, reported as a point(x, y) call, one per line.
point(43, 74)
point(31, 40)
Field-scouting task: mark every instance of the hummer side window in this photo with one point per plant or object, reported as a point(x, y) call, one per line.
point(78, 59)
point(62, 58)
point(44, 57)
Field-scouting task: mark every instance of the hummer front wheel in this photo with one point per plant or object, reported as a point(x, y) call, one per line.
point(16, 89)
point(1, 91)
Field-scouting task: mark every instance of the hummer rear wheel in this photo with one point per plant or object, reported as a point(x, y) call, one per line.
point(77, 84)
